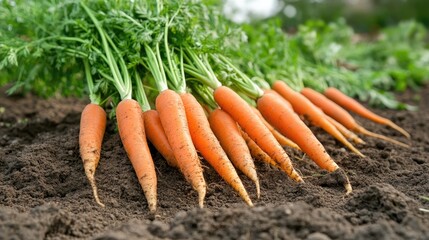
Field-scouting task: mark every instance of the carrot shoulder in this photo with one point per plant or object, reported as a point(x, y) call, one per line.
point(92, 127)
point(250, 123)
point(305, 107)
point(226, 130)
point(156, 135)
point(132, 133)
point(209, 147)
point(354, 106)
point(173, 119)
point(290, 125)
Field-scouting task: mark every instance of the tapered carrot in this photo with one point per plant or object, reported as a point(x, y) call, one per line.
point(338, 113)
point(132, 132)
point(92, 127)
point(347, 133)
point(279, 137)
point(173, 118)
point(243, 114)
point(306, 108)
point(257, 153)
point(290, 125)
point(206, 143)
point(156, 135)
point(226, 130)
point(354, 106)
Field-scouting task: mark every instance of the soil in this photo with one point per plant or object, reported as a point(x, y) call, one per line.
point(44, 193)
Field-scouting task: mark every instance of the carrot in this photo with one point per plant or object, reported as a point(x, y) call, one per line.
point(290, 125)
point(279, 137)
point(347, 133)
point(226, 130)
point(257, 153)
point(206, 143)
point(173, 119)
point(156, 135)
point(305, 107)
point(354, 106)
point(243, 114)
point(338, 113)
point(132, 132)
point(92, 127)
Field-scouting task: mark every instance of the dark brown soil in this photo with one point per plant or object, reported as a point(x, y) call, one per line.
point(44, 193)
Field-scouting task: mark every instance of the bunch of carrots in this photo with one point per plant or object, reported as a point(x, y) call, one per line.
point(166, 81)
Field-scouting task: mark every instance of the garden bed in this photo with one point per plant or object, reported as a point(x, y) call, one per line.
point(44, 193)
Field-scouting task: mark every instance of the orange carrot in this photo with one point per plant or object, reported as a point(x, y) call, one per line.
point(206, 143)
point(280, 138)
point(354, 106)
point(173, 118)
point(92, 127)
point(305, 107)
point(132, 132)
point(226, 130)
point(243, 114)
point(333, 110)
point(156, 135)
point(347, 133)
point(290, 125)
point(257, 153)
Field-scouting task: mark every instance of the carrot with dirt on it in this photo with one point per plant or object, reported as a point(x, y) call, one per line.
point(338, 113)
point(289, 124)
point(306, 108)
point(208, 145)
point(354, 106)
point(257, 153)
point(229, 135)
point(92, 127)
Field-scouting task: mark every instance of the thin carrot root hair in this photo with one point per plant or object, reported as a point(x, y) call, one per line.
point(347, 133)
point(92, 128)
point(382, 137)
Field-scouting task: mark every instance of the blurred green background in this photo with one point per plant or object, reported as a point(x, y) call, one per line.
point(363, 15)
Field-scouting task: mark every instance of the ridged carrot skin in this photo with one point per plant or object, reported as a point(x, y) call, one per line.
point(173, 119)
point(226, 130)
point(92, 128)
point(354, 106)
point(250, 123)
point(156, 135)
point(338, 113)
point(131, 128)
point(347, 133)
point(289, 124)
point(280, 138)
point(208, 145)
point(306, 108)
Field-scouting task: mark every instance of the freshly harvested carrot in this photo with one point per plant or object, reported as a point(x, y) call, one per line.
point(290, 125)
point(338, 113)
point(250, 123)
point(206, 143)
point(132, 132)
point(280, 138)
point(305, 107)
point(257, 153)
point(157, 137)
point(226, 130)
point(347, 133)
point(173, 118)
point(354, 106)
point(92, 127)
